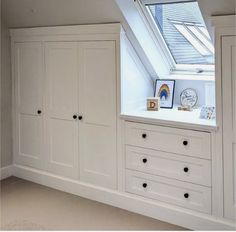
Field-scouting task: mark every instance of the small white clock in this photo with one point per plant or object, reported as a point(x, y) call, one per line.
point(189, 97)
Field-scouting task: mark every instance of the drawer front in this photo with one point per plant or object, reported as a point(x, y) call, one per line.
point(185, 142)
point(197, 171)
point(174, 192)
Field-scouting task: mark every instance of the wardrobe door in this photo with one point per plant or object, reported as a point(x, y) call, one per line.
point(97, 94)
point(28, 80)
point(62, 108)
point(229, 124)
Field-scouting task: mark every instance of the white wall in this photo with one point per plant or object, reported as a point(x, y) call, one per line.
point(136, 83)
point(6, 98)
point(200, 88)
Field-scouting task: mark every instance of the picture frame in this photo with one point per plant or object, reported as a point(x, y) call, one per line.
point(208, 112)
point(165, 89)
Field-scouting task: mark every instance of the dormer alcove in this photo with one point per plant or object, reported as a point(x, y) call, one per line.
point(183, 51)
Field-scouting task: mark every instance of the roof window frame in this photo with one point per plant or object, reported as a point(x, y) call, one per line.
point(206, 72)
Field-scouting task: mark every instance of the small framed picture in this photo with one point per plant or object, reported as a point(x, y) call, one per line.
point(165, 91)
point(208, 112)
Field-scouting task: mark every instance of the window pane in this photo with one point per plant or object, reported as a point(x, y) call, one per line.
point(205, 32)
point(184, 31)
point(202, 37)
point(196, 44)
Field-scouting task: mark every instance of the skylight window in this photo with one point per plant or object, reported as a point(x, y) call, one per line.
point(193, 39)
point(184, 32)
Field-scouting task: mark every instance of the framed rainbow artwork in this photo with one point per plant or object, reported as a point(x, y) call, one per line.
point(165, 89)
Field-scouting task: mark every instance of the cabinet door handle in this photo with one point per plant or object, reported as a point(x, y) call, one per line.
point(185, 142)
point(144, 185)
point(144, 136)
point(39, 112)
point(80, 117)
point(186, 169)
point(144, 160)
point(186, 195)
point(74, 116)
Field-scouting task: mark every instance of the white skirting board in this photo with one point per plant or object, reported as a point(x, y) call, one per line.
point(6, 172)
point(161, 211)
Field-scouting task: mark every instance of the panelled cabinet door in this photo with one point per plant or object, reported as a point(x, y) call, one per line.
point(61, 108)
point(97, 106)
point(229, 124)
point(28, 79)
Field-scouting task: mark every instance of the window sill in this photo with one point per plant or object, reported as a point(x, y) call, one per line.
point(172, 117)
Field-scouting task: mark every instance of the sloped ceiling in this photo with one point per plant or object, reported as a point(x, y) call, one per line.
point(30, 13)
point(217, 7)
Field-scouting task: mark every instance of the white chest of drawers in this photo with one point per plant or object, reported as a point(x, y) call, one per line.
point(169, 165)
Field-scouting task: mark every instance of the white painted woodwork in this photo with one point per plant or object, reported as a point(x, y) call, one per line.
point(101, 151)
point(169, 139)
point(141, 205)
point(169, 191)
point(61, 104)
point(58, 32)
point(166, 157)
point(229, 124)
point(97, 94)
point(28, 73)
point(171, 117)
point(169, 165)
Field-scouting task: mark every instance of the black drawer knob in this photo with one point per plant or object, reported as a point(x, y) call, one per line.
point(144, 160)
point(80, 117)
point(145, 185)
point(74, 116)
point(186, 195)
point(186, 169)
point(185, 142)
point(39, 111)
point(144, 136)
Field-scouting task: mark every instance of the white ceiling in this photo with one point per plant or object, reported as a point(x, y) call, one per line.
point(28, 13)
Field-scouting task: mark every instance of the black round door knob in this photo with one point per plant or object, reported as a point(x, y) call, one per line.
point(144, 136)
point(80, 117)
point(145, 185)
point(186, 169)
point(74, 116)
point(39, 111)
point(144, 160)
point(186, 195)
point(185, 142)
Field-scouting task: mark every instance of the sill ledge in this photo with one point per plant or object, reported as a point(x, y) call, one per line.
point(172, 118)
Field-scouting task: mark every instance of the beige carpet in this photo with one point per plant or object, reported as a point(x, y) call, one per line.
point(29, 206)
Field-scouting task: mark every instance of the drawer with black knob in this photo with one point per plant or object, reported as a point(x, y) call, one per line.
point(189, 169)
point(186, 195)
point(174, 140)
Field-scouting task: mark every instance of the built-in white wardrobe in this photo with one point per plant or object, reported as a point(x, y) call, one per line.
point(65, 107)
point(226, 38)
point(73, 89)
